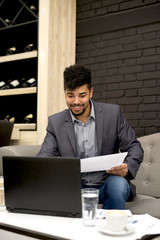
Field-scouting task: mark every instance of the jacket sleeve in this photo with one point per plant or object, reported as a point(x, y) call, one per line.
point(49, 146)
point(129, 143)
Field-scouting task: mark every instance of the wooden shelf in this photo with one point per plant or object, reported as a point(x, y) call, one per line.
point(19, 127)
point(18, 91)
point(18, 56)
point(25, 126)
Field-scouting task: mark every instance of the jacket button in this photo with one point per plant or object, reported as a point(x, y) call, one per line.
point(147, 182)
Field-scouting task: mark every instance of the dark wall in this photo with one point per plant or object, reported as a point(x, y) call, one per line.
point(119, 41)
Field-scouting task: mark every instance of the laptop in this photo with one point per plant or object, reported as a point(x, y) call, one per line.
point(43, 185)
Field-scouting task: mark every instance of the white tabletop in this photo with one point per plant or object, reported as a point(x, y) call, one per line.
point(57, 227)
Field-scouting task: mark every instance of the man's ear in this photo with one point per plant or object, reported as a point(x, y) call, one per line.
point(91, 92)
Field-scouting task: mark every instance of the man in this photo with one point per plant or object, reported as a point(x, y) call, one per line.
point(89, 129)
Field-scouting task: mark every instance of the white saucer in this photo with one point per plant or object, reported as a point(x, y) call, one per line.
point(102, 227)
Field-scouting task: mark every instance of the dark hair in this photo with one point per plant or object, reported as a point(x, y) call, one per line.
point(75, 76)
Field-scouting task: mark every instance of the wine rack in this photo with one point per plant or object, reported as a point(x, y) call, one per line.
point(18, 29)
point(51, 28)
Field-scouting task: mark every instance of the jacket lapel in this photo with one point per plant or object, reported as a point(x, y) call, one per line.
point(70, 131)
point(99, 125)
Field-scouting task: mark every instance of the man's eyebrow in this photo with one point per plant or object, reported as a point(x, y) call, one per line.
point(70, 93)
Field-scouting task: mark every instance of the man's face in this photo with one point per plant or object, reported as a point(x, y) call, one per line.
point(78, 100)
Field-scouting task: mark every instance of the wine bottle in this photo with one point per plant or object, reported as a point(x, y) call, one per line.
point(22, 80)
point(10, 118)
point(8, 21)
point(2, 84)
point(11, 50)
point(28, 119)
point(14, 83)
point(30, 83)
point(6, 86)
point(33, 8)
point(30, 47)
point(33, 5)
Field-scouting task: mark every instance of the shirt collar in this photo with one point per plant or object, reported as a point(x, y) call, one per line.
point(92, 114)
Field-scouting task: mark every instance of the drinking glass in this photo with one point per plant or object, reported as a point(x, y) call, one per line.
point(89, 206)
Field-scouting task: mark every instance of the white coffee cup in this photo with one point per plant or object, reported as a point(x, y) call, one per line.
point(117, 220)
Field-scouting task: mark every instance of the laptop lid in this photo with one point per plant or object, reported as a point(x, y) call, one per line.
point(42, 185)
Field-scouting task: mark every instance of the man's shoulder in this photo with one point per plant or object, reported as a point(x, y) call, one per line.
point(59, 115)
point(102, 105)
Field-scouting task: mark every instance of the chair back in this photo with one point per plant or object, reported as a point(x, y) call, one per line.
point(148, 177)
point(6, 128)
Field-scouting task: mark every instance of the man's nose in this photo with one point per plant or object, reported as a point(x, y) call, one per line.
point(76, 100)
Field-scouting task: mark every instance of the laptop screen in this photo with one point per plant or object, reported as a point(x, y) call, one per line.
point(42, 185)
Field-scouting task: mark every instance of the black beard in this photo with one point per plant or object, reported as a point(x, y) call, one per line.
point(77, 105)
point(78, 114)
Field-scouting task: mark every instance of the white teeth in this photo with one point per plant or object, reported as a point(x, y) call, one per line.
point(77, 107)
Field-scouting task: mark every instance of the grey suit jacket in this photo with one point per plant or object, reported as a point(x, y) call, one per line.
point(113, 135)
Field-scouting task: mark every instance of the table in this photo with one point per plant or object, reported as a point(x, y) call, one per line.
point(28, 226)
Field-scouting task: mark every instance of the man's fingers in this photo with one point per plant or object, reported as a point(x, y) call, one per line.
point(121, 170)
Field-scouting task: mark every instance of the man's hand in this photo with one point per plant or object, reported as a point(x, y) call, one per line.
point(121, 170)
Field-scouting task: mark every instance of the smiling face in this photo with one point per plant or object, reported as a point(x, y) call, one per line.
point(78, 101)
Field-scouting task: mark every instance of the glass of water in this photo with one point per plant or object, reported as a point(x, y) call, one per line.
point(89, 205)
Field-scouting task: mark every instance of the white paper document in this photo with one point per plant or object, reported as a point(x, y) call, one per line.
point(101, 163)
